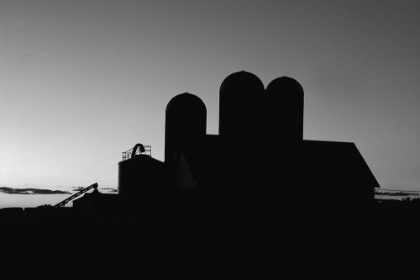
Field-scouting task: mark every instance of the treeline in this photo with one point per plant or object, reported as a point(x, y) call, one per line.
point(404, 200)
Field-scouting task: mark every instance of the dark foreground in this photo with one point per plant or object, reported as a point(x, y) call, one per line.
point(46, 243)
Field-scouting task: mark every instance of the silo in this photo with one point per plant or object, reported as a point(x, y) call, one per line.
point(240, 104)
point(284, 114)
point(136, 171)
point(186, 116)
point(143, 180)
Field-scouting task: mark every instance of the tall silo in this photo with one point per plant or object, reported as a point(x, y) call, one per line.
point(186, 116)
point(240, 104)
point(284, 114)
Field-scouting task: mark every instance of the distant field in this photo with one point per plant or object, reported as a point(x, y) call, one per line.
point(27, 200)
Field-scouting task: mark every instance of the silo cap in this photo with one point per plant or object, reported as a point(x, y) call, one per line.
point(286, 85)
point(186, 102)
point(242, 82)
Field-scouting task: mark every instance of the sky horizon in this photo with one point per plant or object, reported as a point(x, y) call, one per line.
point(83, 81)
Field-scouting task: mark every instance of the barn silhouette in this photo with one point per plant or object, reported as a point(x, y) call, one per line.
point(258, 168)
point(256, 199)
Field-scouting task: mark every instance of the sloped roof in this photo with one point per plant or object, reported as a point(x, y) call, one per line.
point(317, 161)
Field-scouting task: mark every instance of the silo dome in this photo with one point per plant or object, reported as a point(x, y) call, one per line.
point(286, 85)
point(242, 82)
point(186, 115)
point(186, 102)
point(285, 103)
point(239, 104)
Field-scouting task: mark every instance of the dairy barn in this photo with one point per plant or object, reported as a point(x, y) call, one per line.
point(256, 199)
point(257, 169)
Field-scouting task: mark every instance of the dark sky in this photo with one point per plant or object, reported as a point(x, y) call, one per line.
point(83, 81)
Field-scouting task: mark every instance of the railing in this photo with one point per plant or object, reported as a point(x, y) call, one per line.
point(138, 149)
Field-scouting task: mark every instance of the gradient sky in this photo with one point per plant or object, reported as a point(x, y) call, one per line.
point(83, 81)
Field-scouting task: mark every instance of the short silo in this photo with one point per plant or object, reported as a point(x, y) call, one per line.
point(144, 183)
